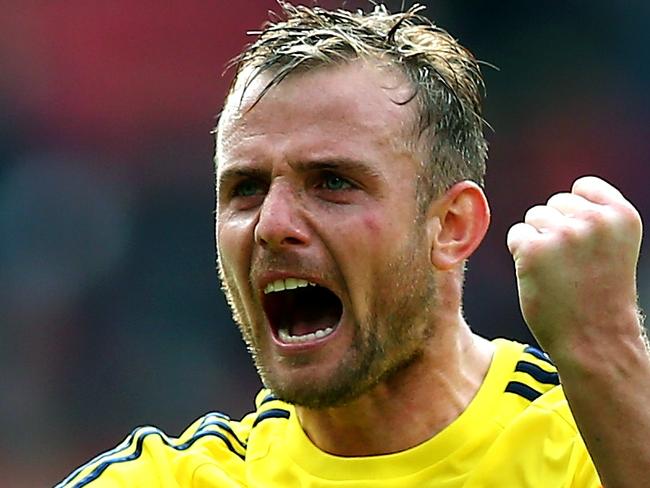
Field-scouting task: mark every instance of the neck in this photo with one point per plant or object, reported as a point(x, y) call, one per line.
point(412, 406)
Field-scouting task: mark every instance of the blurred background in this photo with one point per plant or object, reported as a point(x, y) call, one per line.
point(111, 314)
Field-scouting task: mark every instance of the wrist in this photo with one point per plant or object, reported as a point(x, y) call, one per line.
point(619, 354)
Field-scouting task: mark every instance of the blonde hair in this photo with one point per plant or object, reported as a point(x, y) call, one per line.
point(447, 81)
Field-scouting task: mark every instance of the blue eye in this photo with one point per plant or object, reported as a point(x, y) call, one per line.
point(334, 183)
point(247, 188)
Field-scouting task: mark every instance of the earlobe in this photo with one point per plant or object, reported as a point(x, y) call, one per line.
point(456, 224)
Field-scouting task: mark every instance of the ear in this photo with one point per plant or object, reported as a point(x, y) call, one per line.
point(456, 224)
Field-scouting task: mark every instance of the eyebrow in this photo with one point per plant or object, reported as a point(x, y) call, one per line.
point(233, 174)
point(335, 164)
point(301, 166)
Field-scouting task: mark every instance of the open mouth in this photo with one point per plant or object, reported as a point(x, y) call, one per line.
point(300, 311)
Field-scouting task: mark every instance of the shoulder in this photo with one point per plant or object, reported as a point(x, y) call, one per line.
point(537, 428)
point(149, 457)
point(530, 384)
point(531, 374)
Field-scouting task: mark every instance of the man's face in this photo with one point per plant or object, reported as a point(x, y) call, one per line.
point(322, 250)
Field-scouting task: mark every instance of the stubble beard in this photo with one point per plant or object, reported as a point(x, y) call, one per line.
point(389, 340)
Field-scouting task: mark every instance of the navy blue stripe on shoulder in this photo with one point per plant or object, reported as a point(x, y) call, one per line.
point(223, 426)
point(523, 390)
point(268, 398)
point(542, 356)
point(102, 466)
point(210, 415)
point(220, 420)
point(545, 377)
point(273, 413)
point(117, 449)
point(138, 451)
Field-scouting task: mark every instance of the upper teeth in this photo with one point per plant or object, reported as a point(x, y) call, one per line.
point(287, 284)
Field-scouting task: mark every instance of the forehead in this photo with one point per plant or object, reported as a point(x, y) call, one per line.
point(358, 102)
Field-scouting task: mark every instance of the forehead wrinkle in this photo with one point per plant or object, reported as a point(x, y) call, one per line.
point(387, 122)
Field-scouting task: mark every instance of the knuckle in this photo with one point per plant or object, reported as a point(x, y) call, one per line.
point(533, 212)
point(611, 218)
point(596, 217)
point(557, 198)
point(630, 215)
point(566, 234)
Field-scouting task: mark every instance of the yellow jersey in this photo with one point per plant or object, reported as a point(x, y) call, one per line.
point(517, 432)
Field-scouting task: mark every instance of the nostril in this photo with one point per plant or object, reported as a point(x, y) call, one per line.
point(260, 239)
point(292, 241)
point(281, 231)
point(286, 241)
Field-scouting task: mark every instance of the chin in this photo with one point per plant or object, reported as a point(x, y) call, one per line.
point(315, 389)
point(342, 387)
point(314, 398)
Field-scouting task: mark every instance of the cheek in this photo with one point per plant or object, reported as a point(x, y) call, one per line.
point(363, 243)
point(372, 225)
point(233, 248)
point(379, 231)
point(378, 241)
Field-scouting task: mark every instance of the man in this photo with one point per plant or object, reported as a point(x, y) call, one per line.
point(350, 160)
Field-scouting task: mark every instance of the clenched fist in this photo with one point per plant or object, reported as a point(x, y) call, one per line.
point(575, 259)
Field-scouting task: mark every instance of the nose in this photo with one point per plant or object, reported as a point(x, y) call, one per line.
point(280, 224)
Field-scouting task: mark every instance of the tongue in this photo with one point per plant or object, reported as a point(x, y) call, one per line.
point(306, 320)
